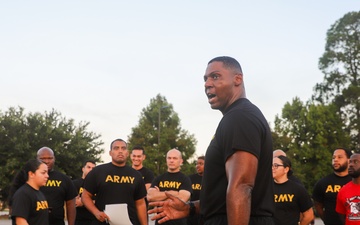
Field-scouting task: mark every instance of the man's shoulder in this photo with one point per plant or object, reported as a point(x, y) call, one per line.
point(194, 175)
point(333, 178)
point(145, 169)
point(101, 167)
point(243, 110)
point(57, 174)
point(184, 177)
point(78, 181)
point(348, 187)
point(168, 174)
point(181, 174)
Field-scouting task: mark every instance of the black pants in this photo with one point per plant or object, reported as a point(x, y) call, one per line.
point(83, 222)
point(222, 220)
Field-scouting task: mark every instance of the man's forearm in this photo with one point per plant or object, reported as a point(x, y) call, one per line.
point(71, 211)
point(238, 205)
point(141, 211)
point(89, 204)
point(155, 195)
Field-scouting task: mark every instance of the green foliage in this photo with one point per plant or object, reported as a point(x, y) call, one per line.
point(21, 135)
point(340, 64)
point(158, 131)
point(310, 133)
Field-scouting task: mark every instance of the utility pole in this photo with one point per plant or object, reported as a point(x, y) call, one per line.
point(159, 125)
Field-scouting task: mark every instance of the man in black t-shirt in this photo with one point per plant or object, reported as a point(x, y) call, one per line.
point(173, 181)
point(196, 180)
point(83, 216)
point(238, 159)
point(59, 189)
point(326, 189)
point(137, 157)
point(115, 183)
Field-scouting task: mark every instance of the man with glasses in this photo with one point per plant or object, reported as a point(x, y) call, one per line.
point(58, 189)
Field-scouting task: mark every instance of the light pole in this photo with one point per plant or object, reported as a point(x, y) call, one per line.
point(159, 125)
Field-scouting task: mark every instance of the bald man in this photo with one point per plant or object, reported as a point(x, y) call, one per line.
point(173, 181)
point(59, 189)
point(278, 152)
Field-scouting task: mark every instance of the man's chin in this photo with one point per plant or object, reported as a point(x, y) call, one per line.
point(354, 175)
point(214, 106)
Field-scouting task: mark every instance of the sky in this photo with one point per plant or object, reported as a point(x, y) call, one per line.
point(102, 61)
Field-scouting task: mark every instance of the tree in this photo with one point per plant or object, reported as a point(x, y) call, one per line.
point(159, 131)
point(310, 133)
point(340, 64)
point(21, 135)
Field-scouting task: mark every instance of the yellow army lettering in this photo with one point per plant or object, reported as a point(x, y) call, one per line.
point(169, 184)
point(120, 179)
point(335, 188)
point(41, 205)
point(196, 186)
point(53, 183)
point(284, 198)
point(81, 190)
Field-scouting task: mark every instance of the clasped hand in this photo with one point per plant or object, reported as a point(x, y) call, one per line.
point(170, 209)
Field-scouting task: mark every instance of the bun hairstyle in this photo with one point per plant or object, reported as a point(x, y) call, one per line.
point(287, 163)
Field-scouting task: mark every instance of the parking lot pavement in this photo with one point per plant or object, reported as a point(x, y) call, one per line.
point(8, 222)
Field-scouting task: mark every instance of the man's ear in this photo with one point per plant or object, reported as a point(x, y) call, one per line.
point(238, 79)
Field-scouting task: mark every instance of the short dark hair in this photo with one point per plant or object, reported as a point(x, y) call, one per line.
point(347, 151)
point(228, 62)
point(88, 161)
point(139, 147)
point(286, 162)
point(201, 157)
point(118, 139)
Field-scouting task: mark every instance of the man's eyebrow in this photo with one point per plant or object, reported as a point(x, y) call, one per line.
point(213, 72)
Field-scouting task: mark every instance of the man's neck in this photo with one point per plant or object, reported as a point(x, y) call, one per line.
point(118, 164)
point(137, 167)
point(174, 171)
point(341, 174)
point(356, 180)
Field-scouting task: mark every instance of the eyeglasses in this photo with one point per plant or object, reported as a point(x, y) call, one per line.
point(276, 165)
